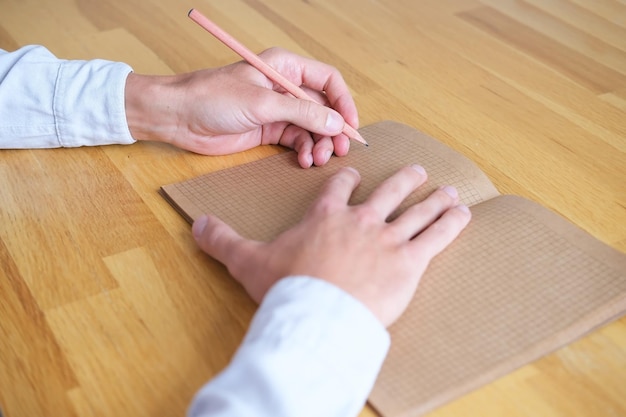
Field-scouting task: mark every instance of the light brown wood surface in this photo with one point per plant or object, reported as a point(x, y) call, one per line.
point(107, 308)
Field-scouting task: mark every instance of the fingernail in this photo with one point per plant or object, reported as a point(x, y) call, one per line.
point(463, 208)
point(353, 170)
point(334, 122)
point(451, 191)
point(327, 155)
point(199, 226)
point(309, 160)
point(419, 169)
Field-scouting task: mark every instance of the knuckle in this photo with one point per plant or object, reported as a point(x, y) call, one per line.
point(393, 236)
point(273, 51)
point(310, 110)
point(349, 172)
point(345, 177)
point(366, 215)
point(325, 205)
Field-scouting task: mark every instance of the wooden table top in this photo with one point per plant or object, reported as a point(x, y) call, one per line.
point(107, 308)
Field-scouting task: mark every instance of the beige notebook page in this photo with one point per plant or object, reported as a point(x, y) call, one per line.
point(262, 198)
point(519, 283)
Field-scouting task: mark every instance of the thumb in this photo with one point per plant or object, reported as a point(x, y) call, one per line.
point(308, 115)
point(217, 239)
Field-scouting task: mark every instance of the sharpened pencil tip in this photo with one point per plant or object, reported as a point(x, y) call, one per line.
point(359, 138)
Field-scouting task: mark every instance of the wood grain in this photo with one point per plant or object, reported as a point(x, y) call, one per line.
point(107, 307)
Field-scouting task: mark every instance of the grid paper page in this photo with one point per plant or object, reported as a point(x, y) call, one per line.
point(519, 283)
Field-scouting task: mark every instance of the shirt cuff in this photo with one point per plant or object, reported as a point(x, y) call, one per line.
point(89, 105)
point(311, 350)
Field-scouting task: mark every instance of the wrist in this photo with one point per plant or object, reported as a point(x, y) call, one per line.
point(149, 109)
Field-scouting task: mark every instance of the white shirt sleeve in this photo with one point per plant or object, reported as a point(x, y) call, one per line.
point(47, 102)
point(311, 350)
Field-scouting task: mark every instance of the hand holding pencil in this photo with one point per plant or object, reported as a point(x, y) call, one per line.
point(260, 65)
point(229, 109)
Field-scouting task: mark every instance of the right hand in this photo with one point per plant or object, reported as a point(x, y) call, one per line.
point(353, 247)
point(233, 108)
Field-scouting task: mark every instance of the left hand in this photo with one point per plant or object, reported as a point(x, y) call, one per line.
point(234, 108)
point(353, 247)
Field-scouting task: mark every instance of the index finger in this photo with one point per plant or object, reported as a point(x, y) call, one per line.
point(336, 192)
point(318, 76)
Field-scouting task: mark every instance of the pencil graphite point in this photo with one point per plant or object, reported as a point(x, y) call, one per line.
point(254, 60)
point(360, 139)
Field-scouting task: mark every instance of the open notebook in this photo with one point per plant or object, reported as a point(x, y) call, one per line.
point(518, 283)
